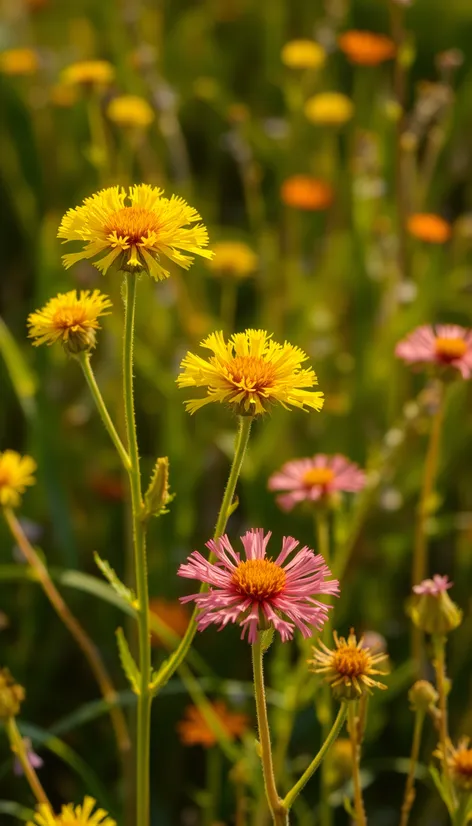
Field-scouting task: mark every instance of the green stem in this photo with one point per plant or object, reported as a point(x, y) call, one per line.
point(439, 648)
point(277, 808)
point(139, 541)
point(361, 818)
point(213, 786)
point(84, 361)
point(242, 439)
point(18, 748)
point(409, 796)
point(462, 814)
point(332, 736)
point(324, 705)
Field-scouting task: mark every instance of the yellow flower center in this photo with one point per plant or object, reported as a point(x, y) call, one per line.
point(66, 318)
point(350, 662)
point(450, 349)
point(132, 223)
point(259, 578)
point(462, 762)
point(251, 372)
point(318, 476)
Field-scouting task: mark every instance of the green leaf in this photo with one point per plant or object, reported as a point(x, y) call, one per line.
point(121, 589)
point(445, 796)
point(9, 807)
point(129, 666)
point(267, 638)
point(157, 496)
point(22, 378)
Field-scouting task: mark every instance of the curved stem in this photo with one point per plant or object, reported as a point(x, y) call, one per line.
point(242, 439)
point(18, 748)
point(84, 361)
point(139, 541)
point(420, 550)
point(409, 796)
point(277, 808)
point(356, 777)
point(332, 736)
point(80, 635)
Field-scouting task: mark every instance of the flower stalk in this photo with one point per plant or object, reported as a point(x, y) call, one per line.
point(19, 750)
point(439, 663)
point(325, 703)
point(409, 796)
point(353, 728)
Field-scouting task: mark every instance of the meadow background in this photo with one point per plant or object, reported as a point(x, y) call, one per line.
point(341, 283)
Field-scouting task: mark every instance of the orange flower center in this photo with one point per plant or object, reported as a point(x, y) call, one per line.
point(449, 349)
point(5, 478)
point(350, 662)
point(132, 223)
point(251, 372)
point(318, 476)
point(259, 578)
point(462, 763)
point(66, 318)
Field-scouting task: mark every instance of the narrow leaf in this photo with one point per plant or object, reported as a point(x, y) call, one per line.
point(121, 589)
point(129, 666)
point(22, 377)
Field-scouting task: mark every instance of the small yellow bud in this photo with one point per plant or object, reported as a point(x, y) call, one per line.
point(422, 696)
point(11, 695)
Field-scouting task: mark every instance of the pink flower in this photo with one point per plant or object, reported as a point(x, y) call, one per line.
point(246, 591)
point(312, 479)
point(433, 587)
point(446, 344)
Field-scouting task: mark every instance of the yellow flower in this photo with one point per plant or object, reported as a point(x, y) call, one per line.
point(332, 108)
point(19, 62)
point(72, 816)
point(16, 473)
point(349, 668)
point(130, 110)
point(134, 236)
point(88, 73)
point(252, 372)
point(459, 761)
point(70, 319)
point(303, 54)
point(234, 259)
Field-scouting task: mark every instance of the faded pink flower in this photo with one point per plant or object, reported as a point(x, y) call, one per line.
point(433, 587)
point(312, 479)
point(445, 344)
point(256, 591)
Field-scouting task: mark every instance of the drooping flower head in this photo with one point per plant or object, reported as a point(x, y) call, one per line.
point(88, 74)
point(194, 729)
point(447, 345)
point(329, 108)
point(348, 668)
point(82, 815)
point(251, 372)
point(71, 319)
point(314, 479)
point(257, 592)
point(366, 48)
point(303, 54)
point(306, 193)
point(130, 111)
point(131, 230)
point(16, 474)
point(431, 607)
point(459, 762)
point(233, 259)
point(430, 228)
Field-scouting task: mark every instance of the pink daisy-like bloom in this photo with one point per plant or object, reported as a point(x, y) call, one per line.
point(313, 479)
point(444, 344)
point(254, 592)
point(433, 587)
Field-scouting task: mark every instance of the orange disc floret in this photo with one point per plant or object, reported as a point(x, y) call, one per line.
point(429, 228)
point(366, 48)
point(305, 192)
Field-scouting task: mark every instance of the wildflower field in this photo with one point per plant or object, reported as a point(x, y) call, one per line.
point(235, 428)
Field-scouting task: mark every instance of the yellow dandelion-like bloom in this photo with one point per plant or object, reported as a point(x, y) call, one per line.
point(134, 235)
point(251, 372)
point(234, 259)
point(330, 108)
point(82, 815)
point(16, 474)
point(19, 62)
point(349, 668)
point(69, 318)
point(303, 54)
point(130, 110)
point(88, 73)
point(459, 762)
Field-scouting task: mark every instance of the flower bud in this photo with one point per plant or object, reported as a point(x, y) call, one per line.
point(422, 696)
point(80, 341)
point(432, 609)
point(11, 695)
point(157, 495)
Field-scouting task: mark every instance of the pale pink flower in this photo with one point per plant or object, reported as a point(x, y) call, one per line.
point(445, 344)
point(256, 591)
point(312, 479)
point(433, 587)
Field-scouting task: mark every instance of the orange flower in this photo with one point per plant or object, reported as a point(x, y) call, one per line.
point(428, 227)
point(194, 729)
point(305, 192)
point(172, 614)
point(366, 48)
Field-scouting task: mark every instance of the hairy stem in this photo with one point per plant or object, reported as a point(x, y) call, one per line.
point(356, 776)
